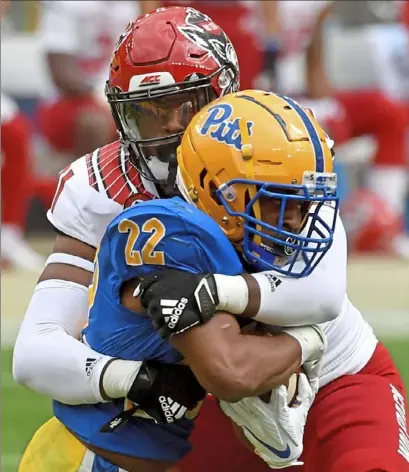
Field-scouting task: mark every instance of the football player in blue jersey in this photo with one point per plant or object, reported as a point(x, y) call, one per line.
point(255, 170)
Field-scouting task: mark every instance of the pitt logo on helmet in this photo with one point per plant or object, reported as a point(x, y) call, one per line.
point(219, 125)
point(261, 166)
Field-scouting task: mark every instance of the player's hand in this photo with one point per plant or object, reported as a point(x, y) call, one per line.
point(274, 429)
point(313, 344)
point(176, 300)
point(159, 386)
point(165, 392)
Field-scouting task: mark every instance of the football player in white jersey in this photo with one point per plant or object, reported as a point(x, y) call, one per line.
point(347, 114)
point(78, 38)
point(94, 190)
point(174, 45)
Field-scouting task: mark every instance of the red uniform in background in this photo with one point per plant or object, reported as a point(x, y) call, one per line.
point(17, 187)
point(86, 32)
point(16, 181)
point(405, 13)
point(348, 114)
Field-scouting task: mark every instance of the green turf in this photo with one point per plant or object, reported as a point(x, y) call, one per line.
point(24, 411)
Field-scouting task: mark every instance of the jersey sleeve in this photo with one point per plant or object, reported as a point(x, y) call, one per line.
point(66, 213)
point(78, 210)
point(160, 234)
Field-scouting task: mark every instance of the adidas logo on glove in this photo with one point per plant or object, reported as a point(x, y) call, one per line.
point(171, 409)
point(172, 310)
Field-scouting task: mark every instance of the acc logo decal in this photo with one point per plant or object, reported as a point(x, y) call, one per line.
point(151, 79)
point(220, 127)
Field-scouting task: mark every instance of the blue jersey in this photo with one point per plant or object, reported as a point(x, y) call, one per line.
point(143, 238)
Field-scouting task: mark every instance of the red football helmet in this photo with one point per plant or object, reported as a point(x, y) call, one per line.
point(370, 223)
point(166, 66)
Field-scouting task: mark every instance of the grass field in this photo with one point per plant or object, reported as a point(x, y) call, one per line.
point(379, 288)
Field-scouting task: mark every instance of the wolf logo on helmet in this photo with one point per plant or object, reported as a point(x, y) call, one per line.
point(213, 40)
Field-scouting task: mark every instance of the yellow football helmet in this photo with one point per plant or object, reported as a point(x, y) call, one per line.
point(252, 146)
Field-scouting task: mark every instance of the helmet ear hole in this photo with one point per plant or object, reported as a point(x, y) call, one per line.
point(202, 177)
point(213, 193)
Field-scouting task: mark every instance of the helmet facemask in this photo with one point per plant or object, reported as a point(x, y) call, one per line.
point(151, 122)
point(268, 245)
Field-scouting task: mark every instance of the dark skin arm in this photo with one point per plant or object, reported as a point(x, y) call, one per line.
point(67, 245)
point(227, 363)
point(64, 69)
point(67, 75)
point(318, 85)
point(271, 18)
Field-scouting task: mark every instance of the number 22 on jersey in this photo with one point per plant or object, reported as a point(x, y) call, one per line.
point(148, 254)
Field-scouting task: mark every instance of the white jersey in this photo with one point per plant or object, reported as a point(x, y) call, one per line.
point(87, 30)
point(298, 20)
point(297, 23)
point(93, 190)
point(351, 343)
point(9, 109)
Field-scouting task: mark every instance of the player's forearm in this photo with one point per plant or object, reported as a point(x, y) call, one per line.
point(262, 363)
point(232, 366)
point(67, 76)
point(47, 356)
point(317, 82)
point(282, 301)
point(271, 18)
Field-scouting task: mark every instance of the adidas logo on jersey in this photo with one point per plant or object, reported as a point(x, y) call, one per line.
point(273, 281)
point(172, 309)
point(171, 409)
point(90, 363)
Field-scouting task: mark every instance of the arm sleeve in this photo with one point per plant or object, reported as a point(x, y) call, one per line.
point(317, 298)
point(48, 357)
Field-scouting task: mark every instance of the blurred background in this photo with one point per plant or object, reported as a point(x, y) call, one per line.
point(346, 60)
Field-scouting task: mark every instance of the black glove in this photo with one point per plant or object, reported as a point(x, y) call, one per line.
point(176, 300)
point(157, 389)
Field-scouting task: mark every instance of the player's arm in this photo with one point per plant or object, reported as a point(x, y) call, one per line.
point(283, 301)
point(48, 356)
point(232, 365)
point(317, 81)
point(267, 296)
point(58, 33)
point(269, 14)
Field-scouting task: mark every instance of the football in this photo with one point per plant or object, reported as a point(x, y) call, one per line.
point(292, 388)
